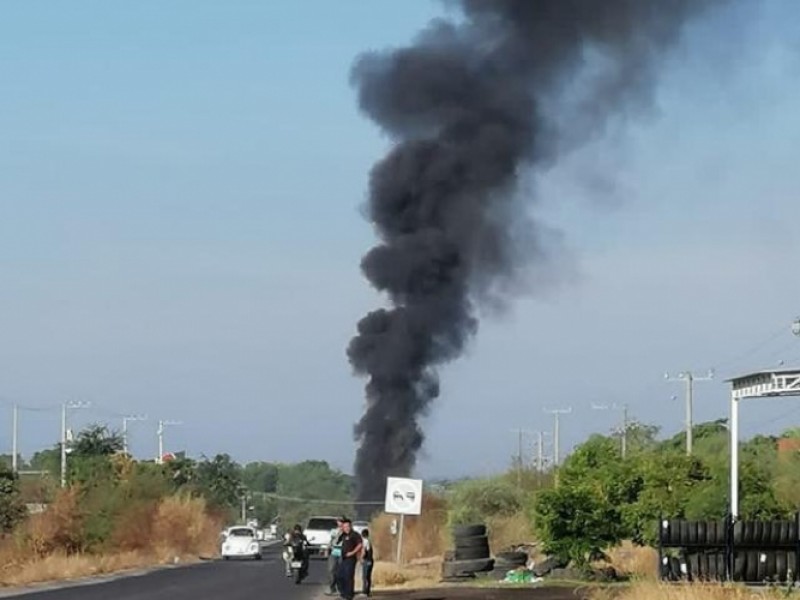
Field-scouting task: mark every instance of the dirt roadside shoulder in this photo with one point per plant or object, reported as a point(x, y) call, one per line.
point(485, 593)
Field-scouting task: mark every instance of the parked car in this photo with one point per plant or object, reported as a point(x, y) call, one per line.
point(241, 542)
point(319, 531)
point(360, 526)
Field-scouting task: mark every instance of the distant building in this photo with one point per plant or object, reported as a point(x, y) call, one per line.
point(789, 447)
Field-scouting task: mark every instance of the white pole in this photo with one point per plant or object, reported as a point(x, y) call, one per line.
point(689, 410)
point(64, 445)
point(400, 540)
point(14, 450)
point(125, 435)
point(624, 431)
point(160, 458)
point(734, 457)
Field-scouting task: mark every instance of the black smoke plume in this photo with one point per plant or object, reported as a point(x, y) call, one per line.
point(507, 84)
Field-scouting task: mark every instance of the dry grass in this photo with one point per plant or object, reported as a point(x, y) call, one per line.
point(656, 591)
point(64, 567)
point(507, 532)
point(633, 561)
point(418, 576)
point(424, 536)
point(50, 545)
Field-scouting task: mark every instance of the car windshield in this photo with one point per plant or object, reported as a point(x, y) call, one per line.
point(321, 524)
point(241, 532)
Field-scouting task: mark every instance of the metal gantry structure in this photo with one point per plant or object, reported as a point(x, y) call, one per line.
point(759, 385)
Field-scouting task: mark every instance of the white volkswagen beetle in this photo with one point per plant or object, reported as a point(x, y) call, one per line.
point(241, 542)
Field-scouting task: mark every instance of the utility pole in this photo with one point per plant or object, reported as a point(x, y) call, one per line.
point(64, 407)
point(689, 378)
point(520, 456)
point(557, 431)
point(624, 431)
point(14, 439)
point(160, 432)
point(125, 421)
point(540, 454)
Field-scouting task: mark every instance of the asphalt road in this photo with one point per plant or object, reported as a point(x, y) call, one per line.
point(215, 580)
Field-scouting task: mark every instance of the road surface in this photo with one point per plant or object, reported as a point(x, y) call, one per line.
point(214, 580)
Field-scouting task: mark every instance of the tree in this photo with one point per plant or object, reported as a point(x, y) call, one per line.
point(475, 501)
point(577, 522)
point(220, 480)
point(97, 440)
point(261, 477)
point(12, 509)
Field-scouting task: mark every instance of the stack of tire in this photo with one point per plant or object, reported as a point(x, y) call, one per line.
point(471, 555)
point(765, 551)
point(703, 550)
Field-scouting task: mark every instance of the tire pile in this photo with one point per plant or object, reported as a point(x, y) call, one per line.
point(749, 551)
point(471, 555)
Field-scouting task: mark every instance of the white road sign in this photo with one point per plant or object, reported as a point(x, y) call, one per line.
point(403, 496)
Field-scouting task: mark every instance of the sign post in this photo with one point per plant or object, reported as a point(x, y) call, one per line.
point(403, 497)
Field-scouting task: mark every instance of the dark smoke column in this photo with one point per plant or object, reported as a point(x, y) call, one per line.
point(468, 106)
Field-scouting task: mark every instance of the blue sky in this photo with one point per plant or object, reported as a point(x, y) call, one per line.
point(180, 232)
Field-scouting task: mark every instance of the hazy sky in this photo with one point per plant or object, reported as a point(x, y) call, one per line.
point(180, 233)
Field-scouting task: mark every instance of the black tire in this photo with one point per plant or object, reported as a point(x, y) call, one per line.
point(747, 531)
point(793, 532)
point(514, 558)
point(257, 557)
point(472, 553)
point(704, 570)
point(476, 541)
point(738, 533)
point(775, 529)
point(675, 568)
point(791, 565)
point(784, 535)
point(702, 533)
point(781, 566)
point(760, 533)
point(762, 566)
point(740, 566)
point(722, 567)
point(772, 565)
point(685, 540)
point(692, 566)
point(226, 558)
point(462, 531)
point(675, 532)
point(751, 572)
point(711, 533)
point(461, 568)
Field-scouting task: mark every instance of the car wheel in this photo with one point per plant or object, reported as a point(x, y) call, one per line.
point(226, 558)
point(257, 557)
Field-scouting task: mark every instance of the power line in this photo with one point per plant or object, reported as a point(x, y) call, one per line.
point(317, 501)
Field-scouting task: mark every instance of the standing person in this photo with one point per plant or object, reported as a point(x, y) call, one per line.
point(287, 556)
point(352, 544)
point(335, 558)
point(367, 562)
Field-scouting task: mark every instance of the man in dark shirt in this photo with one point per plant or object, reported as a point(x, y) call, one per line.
point(352, 544)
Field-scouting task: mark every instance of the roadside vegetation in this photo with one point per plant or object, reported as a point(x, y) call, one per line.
point(603, 510)
point(118, 513)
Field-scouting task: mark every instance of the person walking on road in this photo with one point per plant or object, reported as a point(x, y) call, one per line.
point(352, 545)
point(335, 558)
point(367, 562)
